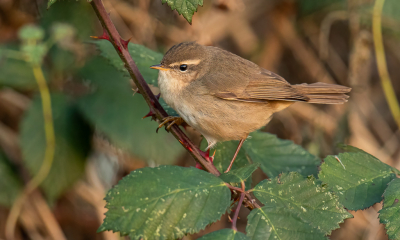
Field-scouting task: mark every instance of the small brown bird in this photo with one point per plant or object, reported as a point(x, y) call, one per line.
point(226, 97)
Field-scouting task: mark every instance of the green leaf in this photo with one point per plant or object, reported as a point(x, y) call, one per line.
point(166, 202)
point(291, 194)
point(361, 183)
point(390, 213)
point(185, 7)
point(10, 184)
point(223, 155)
point(71, 148)
point(221, 161)
point(116, 113)
point(143, 57)
point(240, 174)
point(78, 14)
point(275, 223)
point(275, 155)
point(16, 73)
point(225, 234)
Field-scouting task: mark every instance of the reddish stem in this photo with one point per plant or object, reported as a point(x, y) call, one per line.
point(235, 217)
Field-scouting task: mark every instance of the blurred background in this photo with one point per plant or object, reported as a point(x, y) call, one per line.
point(302, 40)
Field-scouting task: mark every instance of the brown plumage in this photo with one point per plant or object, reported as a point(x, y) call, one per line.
point(226, 97)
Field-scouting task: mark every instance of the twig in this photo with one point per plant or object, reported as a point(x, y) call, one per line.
point(302, 52)
point(48, 157)
point(49, 220)
point(325, 31)
point(381, 62)
point(236, 215)
point(122, 50)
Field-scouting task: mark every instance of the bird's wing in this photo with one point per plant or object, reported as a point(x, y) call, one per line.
point(255, 86)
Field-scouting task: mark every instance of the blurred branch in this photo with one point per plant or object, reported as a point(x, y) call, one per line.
point(333, 60)
point(325, 30)
point(381, 62)
point(144, 89)
point(44, 212)
point(48, 157)
point(302, 52)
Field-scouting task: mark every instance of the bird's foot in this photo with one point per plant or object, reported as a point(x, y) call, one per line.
point(171, 120)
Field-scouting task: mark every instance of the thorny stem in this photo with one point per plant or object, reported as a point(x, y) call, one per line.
point(121, 47)
point(48, 156)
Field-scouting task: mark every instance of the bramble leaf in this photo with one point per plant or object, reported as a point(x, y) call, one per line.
point(16, 73)
point(390, 213)
point(362, 180)
point(71, 148)
point(275, 223)
point(166, 202)
point(143, 57)
point(113, 109)
point(293, 195)
point(185, 7)
point(240, 174)
point(225, 234)
point(275, 155)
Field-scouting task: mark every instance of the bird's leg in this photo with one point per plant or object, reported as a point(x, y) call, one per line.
point(236, 153)
point(173, 120)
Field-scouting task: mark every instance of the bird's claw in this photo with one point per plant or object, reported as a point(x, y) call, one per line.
point(173, 120)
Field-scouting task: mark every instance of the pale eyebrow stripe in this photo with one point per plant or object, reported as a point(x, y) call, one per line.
point(188, 62)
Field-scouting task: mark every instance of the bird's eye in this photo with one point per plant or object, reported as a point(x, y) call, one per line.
point(183, 67)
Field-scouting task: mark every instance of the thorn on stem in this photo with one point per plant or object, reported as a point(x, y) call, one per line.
point(103, 36)
point(198, 166)
point(206, 155)
point(125, 43)
point(150, 114)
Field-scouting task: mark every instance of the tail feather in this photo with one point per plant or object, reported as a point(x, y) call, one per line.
point(324, 93)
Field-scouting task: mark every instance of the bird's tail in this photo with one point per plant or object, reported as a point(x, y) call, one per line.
point(324, 93)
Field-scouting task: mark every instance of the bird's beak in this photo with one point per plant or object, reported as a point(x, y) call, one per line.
point(159, 67)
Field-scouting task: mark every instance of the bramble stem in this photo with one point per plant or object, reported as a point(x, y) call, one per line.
point(236, 215)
